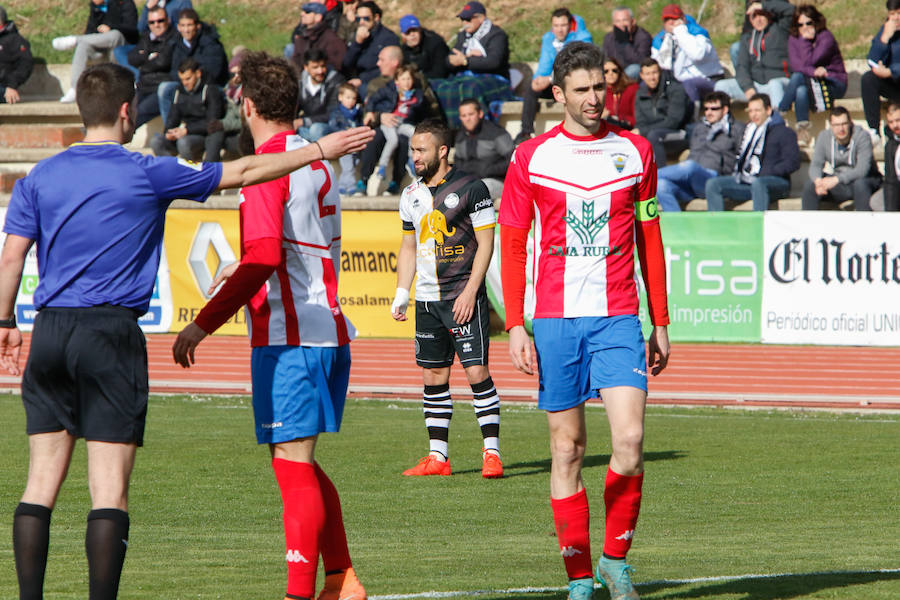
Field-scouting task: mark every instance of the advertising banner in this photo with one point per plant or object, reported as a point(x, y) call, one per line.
point(370, 241)
point(831, 278)
point(713, 276)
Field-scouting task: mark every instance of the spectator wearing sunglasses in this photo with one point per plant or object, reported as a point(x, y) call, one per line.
point(481, 46)
point(152, 57)
point(361, 59)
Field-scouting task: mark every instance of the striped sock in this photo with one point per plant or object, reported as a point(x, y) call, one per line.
point(438, 411)
point(486, 403)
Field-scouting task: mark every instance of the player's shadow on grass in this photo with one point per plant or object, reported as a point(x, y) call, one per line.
point(537, 467)
point(778, 587)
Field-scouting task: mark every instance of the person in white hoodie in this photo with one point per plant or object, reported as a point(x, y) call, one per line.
point(684, 47)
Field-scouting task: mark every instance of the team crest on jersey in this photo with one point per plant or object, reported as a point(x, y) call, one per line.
point(451, 201)
point(619, 161)
point(434, 226)
point(190, 164)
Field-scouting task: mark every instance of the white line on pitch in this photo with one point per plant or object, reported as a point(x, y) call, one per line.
point(542, 590)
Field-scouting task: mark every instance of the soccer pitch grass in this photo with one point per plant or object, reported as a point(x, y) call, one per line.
point(810, 499)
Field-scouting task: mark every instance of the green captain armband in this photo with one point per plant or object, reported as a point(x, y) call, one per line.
point(646, 210)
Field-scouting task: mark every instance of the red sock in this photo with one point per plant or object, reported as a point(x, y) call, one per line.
point(304, 520)
point(333, 543)
point(623, 503)
point(572, 518)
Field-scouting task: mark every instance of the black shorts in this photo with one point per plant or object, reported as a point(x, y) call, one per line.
point(438, 335)
point(87, 374)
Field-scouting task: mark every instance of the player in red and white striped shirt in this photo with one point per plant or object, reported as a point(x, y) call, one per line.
point(288, 277)
point(590, 187)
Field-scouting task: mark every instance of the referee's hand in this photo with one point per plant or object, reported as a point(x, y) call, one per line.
point(10, 345)
point(187, 340)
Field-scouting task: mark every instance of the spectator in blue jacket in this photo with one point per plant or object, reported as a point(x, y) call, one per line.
point(768, 155)
point(884, 77)
point(564, 28)
point(361, 59)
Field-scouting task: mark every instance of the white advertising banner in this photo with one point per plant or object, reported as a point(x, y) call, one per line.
point(831, 278)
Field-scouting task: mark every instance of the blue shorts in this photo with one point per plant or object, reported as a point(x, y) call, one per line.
point(578, 356)
point(298, 391)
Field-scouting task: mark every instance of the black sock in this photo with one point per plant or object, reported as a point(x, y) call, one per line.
point(105, 543)
point(31, 538)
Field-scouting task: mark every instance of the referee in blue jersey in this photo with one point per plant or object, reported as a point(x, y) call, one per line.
point(96, 212)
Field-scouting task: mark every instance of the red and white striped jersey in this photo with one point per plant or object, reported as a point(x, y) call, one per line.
point(586, 192)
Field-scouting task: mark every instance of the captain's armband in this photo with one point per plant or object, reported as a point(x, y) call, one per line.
point(646, 210)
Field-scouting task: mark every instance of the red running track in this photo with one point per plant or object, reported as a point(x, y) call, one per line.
point(748, 375)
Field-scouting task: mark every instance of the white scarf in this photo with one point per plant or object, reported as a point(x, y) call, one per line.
point(473, 41)
point(750, 157)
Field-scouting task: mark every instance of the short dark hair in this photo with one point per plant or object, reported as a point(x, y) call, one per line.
point(561, 12)
point(767, 102)
point(158, 8)
point(101, 91)
point(649, 62)
point(840, 111)
point(189, 64)
point(473, 101)
point(574, 56)
point(438, 129)
point(892, 5)
point(892, 106)
point(348, 87)
point(272, 84)
point(314, 55)
point(376, 10)
point(721, 97)
point(189, 13)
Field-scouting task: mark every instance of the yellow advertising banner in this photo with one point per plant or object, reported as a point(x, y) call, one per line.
point(369, 244)
point(200, 242)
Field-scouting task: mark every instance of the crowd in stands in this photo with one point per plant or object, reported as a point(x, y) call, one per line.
point(353, 67)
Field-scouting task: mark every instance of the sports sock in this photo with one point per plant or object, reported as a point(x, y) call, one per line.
point(333, 540)
point(105, 543)
point(572, 518)
point(487, 409)
point(31, 539)
point(438, 408)
point(622, 495)
point(304, 520)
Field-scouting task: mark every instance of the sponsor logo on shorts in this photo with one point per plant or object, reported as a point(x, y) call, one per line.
point(451, 201)
point(467, 347)
point(424, 335)
point(417, 347)
point(461, 330)
point(569, 551)
point(639, 372)
point(626, 536)
point(294, 556)
point(274, 425)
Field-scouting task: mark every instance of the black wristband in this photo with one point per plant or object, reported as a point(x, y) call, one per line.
point(9, 323)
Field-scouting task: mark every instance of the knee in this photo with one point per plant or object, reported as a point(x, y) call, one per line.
point(567, 452)
point(628, 446)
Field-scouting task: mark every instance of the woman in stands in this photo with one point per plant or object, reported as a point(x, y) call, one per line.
point(620, 93)
point(818, 76)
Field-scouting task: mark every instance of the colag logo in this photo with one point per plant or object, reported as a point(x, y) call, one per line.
point(434, 227)
point(587, 228)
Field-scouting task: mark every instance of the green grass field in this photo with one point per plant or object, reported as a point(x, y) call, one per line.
point(811, 498)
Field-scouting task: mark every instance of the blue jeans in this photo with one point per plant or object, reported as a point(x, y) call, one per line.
point(314, 131)
point(774, 88)
point(797, 94)
point(762, 191)
point(120, 55)
point(166, 96)
point(679, 184)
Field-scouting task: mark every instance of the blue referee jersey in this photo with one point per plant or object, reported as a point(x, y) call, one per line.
point(96, 212)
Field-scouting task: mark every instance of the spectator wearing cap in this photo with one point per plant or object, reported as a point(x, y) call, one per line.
point(424, 48)
point(361, 60)
point(481, 47)
point(16, 62)
point(313, 32)
point(684, 48)
point(627, 42)
point(762, 66)
point(564, 28)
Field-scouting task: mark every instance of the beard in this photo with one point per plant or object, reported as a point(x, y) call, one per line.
point(429, 169)
point(246, 147)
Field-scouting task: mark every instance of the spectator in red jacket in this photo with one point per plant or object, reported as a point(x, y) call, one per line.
point(620, 93)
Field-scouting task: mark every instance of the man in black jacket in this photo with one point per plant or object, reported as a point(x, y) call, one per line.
point(110, 23)
point(152, 57)
point(16, 62)
point(660, 109)
point(888, 197)
point(318, 95)
point(483, 148)
point(361, 59)
point(424, 48)
point(200, 41)
point(481, 47)
point(193, 125)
